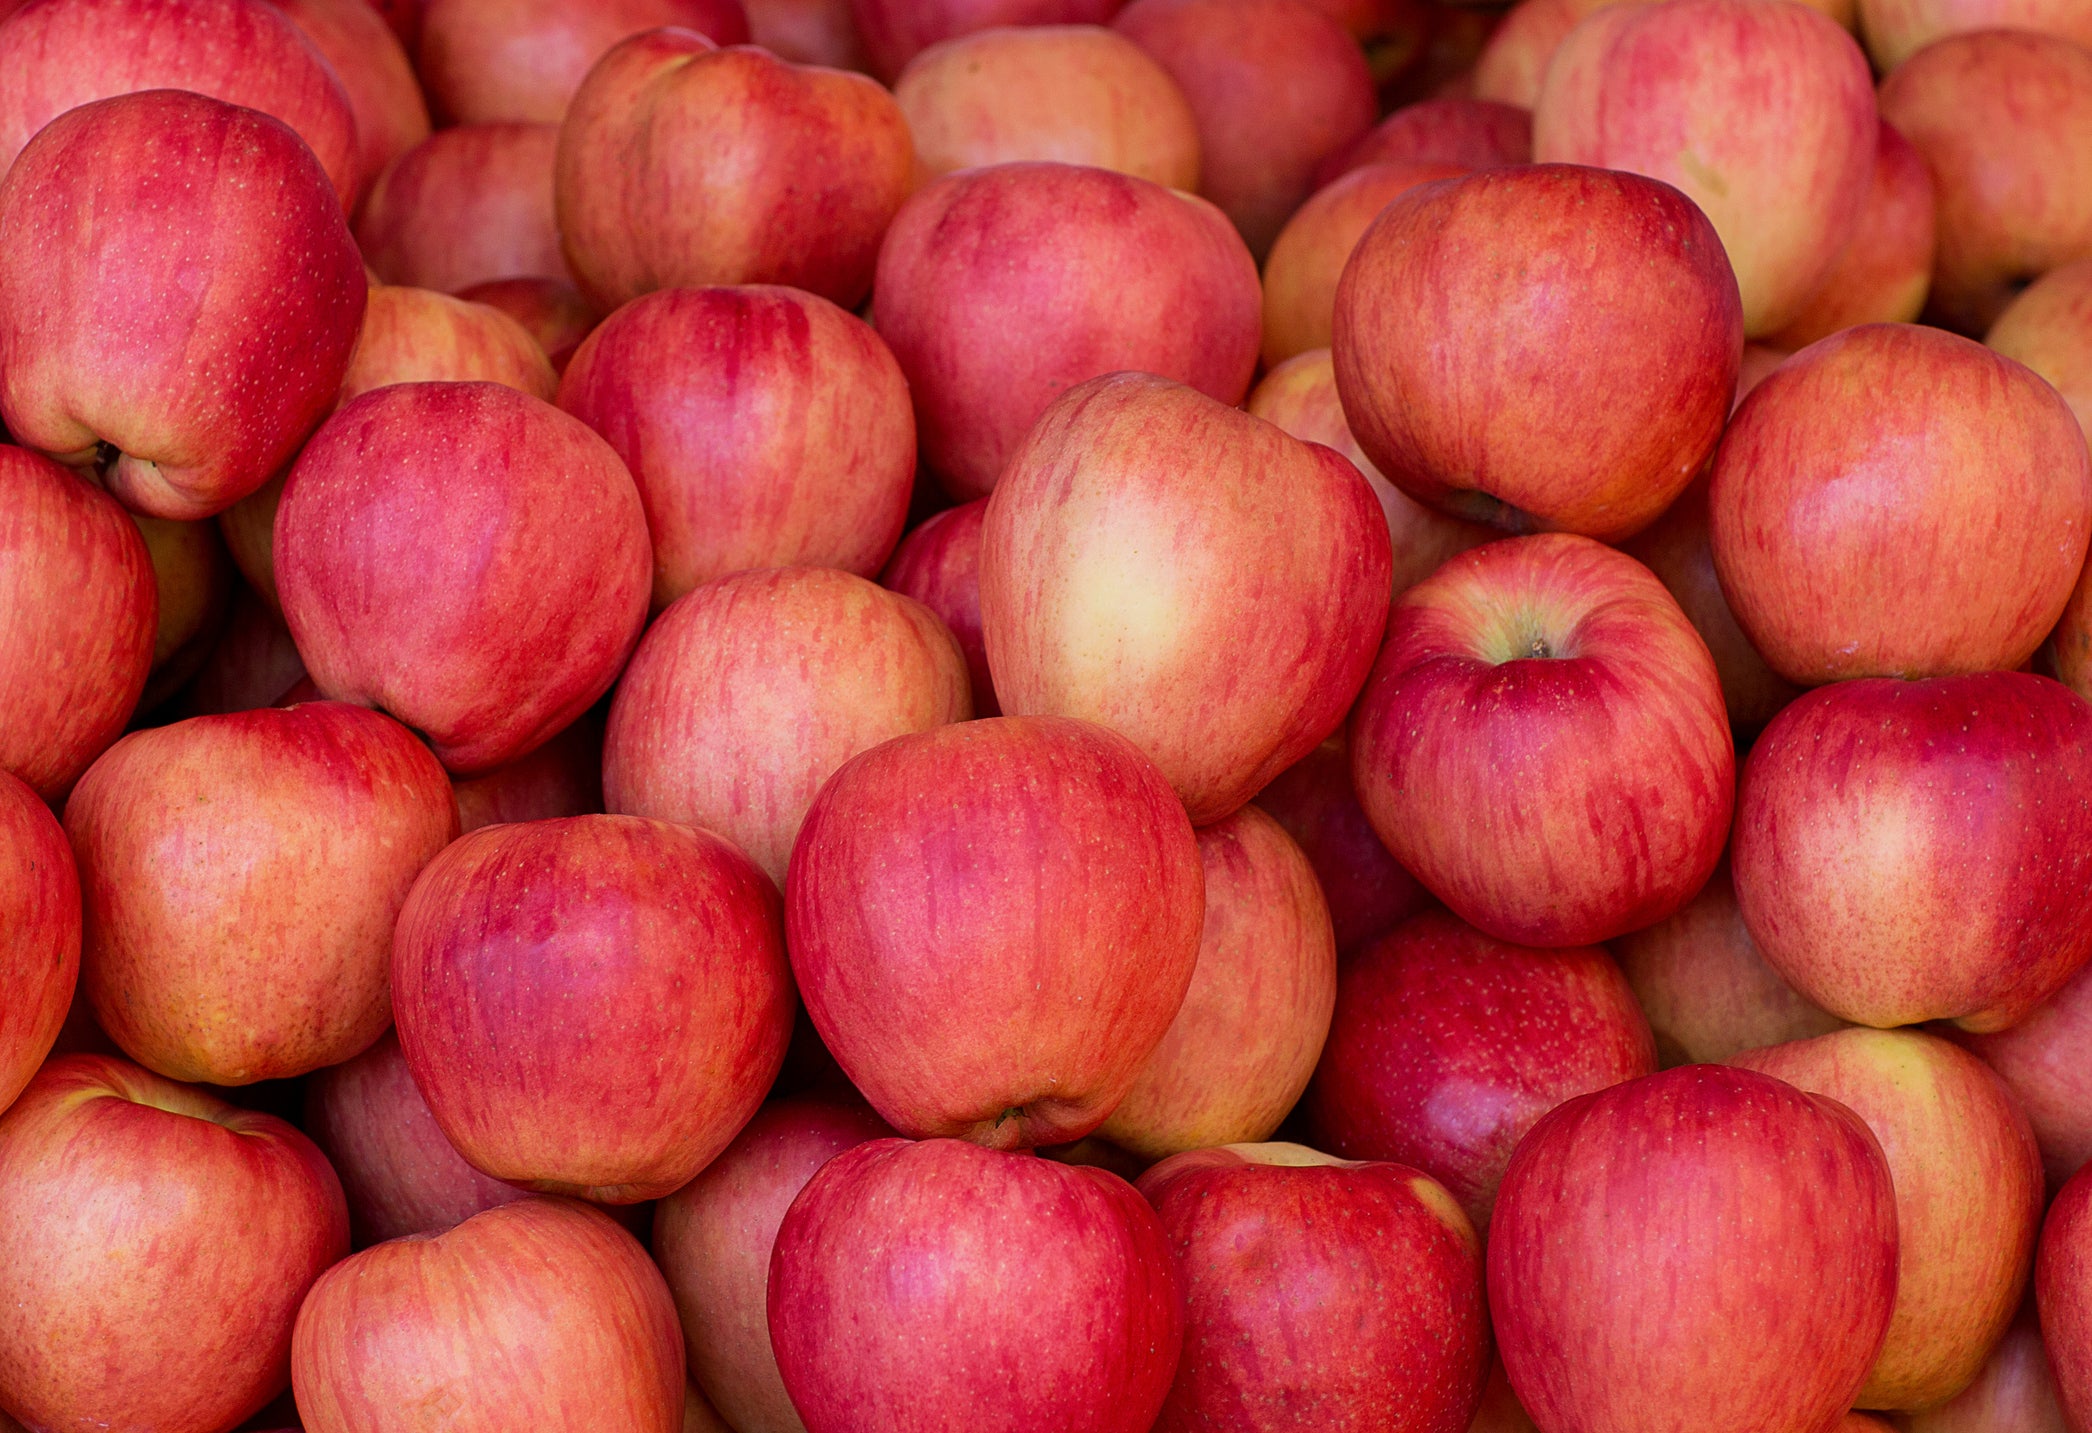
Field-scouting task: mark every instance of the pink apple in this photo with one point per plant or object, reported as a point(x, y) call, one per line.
point(223, 241)
point(40, 911)
point(808, 32)
point(253, 664)
point(466, 206)
point(552, 311)
point(993, 924)
point(893, 32)
point(489, 591)
point(404, 16)
point(564, 777)
point(2015, 1393)
point(895, 1248)
point(1514, 61)
point(376, 77)
point(1226, 640)
point(2049, 329)
point(1323, 1293)
point(1110, 273)
point(193, 577)
point(2038, 1058)
point(939, 565)
point(157, 1244)
point(1368, 892)
point(765, 428)
point(1472, 133)
point(2061, 1277)
point(1895, 30)
point(1885, 269)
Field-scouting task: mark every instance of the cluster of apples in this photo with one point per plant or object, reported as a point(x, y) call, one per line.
point(1047, 744)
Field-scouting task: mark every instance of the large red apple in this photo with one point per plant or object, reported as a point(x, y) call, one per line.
point(1086, 273)
point(178, 288)
point(1368, 892)
point(155, 1243)
point(764, 427)
point(2049, 329)
point(939, 565)
point(994, 923)
point(1448, 129)
point(1227, 640)
point(489, 590)
point(40, 953)
point(893, 32)
point(376, 77)
point(1884, 272)
point(896, 1248)
point(2041, 1059)
point(466, 206)
point(2015, 1393)
point(1911, 851)
point(1323, 1293)
point(1525, 681)
point(2062, 1280)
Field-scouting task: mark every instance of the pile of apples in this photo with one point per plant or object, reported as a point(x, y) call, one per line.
point(1045, 716)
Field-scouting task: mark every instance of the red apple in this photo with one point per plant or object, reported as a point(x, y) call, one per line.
point(939, 565)
point(1543, 348)
point(241, 875)
point(157, 1244)
point(1447, 1046)
point(1502, 1413)
point(713, 1239)
point(1323, 1293)
point(765, 428)
point(592, 1005)
point(893, 32)
point(466, 206)
point(162, 334)
point(404, 16)
point(376, 77)
point(1227, 640)
point(2039, 1059)
point(552, 311)
point(1276, 87)
point(1942, 535)
point(2049, 329)
point(1472, 133)
point(1367, 890)
point(1910, 851)
point(193, 577)
point(1239, 1053)
point(79, 609)
point(682, 164)
point(1530, 679)
point(808, 32)
point(253, 664)
point(564, 777)
point(1897, 29)
point(570, 1326)
point(1514, 60)
point(711, 729)
point(2061, 1279)
point(897, 1248)
point(40, 911)
point(993, 924)
point(1086, 272)
point(489, 591)
point(2015, 1393)
point(1885, 269)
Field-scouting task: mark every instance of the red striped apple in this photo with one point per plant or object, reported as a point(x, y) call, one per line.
point(40, 911)
point(1369, 893)
point(377, 78)
point(939, 565)
point(894, 32)
point(1449, 129)
point(466, 206)
point(1884, 272)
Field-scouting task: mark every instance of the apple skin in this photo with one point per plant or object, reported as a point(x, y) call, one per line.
point(682, 164)
point(2039, 1059)
point(466, 206)
point(1912, 850)
point(1322, 1293)
point(193, 578)
point(1073, 94)
point(1500, 1411)
point(993, 924)
point(158, 1242)
point(1367, 890)
point(1448, 129)
point(894, 32)
point(1513, 63)
point(79, 609)
point(1471, 745)
point(808, 32)
point(241, 876)
point(1884, 272)
point(1762, 114)
point(376, 77)
point(1895, 30)
point(564, 777)
point(1087, 272)
point(253, 664)
point(713, 1239)
point(570, 1326)
point(40, 911)
point(1542, 348)
point(1447, 1046)
point(163, 336)
point(489, 592)
point(521, 61)
point(765, 427)
point(895, 1247)
point(1225, 640)
point(939, 565)
point(1245, 1041)
point(2045, 328)
point(1630, 1295)
point(1999, 116)
point(551, 311)
point(2015, 1393)
point(711, 729)
point(2061, 1278)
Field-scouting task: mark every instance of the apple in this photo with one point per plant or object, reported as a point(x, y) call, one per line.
point(1075, 94)
point(157, 1244)
point(1912, 850)
point(699, 1416)
point(1513, 63)
point(40, 911)
point(564, 777)
point(765, 427)
point(1941, 536)
point(1322, 1293)
point(808, 32)
point(552, 311)
point(939, 565)
point(1707, 1244)
point(1367, 890)
point(571, 1326)
point(241, 876)
point(1968, 1196)
point(2015, 1392)
point(713, 1239)
point(1226, 640)
point(1447, 1046)
point(2045, 328)
point(993, 924)
point(466, 206)
point(893, 32)
point(488, 61)
point(2037, 1057)
point(1526, 680)
point(489, 591)
point(1546, 348)
point(1239, 1053)
point(79, 611)
point(1895, 30)
point(1449, 129)
point(193, 578)
point(1885, 269)
point(1086, 272)
point(222, 240)
point(896, 1248)
point(253, 664)
point(2000, 116)
point(404, 16)
point(376, 77)
point(1762, 113)
point(2061, 1279)
point(681, 164)
point(1276, 88)
point(1500, 1411)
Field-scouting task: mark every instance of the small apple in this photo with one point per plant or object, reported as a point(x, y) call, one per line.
point(939, 565)
point(551, 311)
point(40, 911)
point(468, 205)
point(1448, 129)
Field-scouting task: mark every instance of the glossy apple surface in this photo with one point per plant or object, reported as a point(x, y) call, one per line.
point(468, 205)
